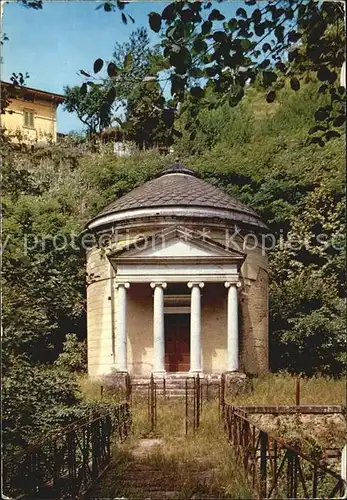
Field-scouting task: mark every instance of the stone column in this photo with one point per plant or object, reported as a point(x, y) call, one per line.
point(195, 326)
point(121, 335)
point(232, 327)
point(158, 327)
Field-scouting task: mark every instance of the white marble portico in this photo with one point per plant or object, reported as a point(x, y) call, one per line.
point(177, 256)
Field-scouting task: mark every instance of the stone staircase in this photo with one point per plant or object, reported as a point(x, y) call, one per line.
point(141, 476)
point(173, 385)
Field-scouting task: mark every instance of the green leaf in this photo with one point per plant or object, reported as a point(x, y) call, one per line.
point(246, 44)
point(331, 134)
point(220, 36)
point(84, 89)
point(169, 12)
point(339, 121)
point(127, 125)
point(199, 45)
point(321, 114)
point(197, 92)
point(256, 16)
point(211, 71)
point(323, 88)
point(264, 64)
point(98, 64)
point(324, 74)
point(124, 19)
point(295, 84)
point(232, 24)
point(317, 140)
point(206, 27)
point(281, 66)
point(293, 36)
point(177, 133)
point(271, 96)
point(241, 13)
point(266, 47)
point(111, 95)
point(84, 73)
point(128, 61)
point(289, 13)
point(279, 33)
point(317, 128)
point(269, 77)
point(155, 21)
point(216, 15)
point(112, 70)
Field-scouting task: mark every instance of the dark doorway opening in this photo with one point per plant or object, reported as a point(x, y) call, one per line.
point(177, 342)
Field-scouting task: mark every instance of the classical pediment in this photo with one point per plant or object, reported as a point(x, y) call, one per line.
point(176, 244)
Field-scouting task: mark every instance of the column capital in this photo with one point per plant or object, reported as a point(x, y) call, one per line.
point(162, 284)
point(237, 284)
point(125, 285)
point(200, 284)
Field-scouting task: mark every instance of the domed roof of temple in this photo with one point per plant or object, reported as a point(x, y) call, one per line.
point(177, 191)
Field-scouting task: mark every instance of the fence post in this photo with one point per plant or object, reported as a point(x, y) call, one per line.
point(297, 392)
point(151, 384)
point(197, 401)
point(222, 396)
point(194, 404)
point(187, 415)
point(263, 464)
point(128, 388)
point(290, 473)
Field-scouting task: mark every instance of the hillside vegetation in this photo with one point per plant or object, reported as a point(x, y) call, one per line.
point(254, 151)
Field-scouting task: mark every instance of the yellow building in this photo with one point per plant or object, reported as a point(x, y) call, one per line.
point(31, 114)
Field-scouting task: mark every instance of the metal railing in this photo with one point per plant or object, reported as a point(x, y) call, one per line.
point(67, 465)
point(275, 468)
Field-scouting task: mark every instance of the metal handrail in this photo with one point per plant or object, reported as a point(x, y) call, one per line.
point(70, 462)
point(253, 445)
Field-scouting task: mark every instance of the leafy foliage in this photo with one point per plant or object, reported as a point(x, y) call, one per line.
point(253, 45)
point(93, 107)
point(35, 399)
point(74, 355)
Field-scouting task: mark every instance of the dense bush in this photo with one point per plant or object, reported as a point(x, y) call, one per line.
point(74, 355)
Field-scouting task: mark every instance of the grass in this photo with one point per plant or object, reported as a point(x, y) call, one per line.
point(313, 433)
point(279, 389)
point(199, 465)
point(91, 390)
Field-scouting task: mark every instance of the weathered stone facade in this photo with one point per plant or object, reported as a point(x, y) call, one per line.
point(145, 248)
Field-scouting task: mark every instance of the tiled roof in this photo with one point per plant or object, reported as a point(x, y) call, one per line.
point(179, 186)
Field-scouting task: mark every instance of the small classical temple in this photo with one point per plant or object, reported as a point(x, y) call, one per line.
point(177, 282)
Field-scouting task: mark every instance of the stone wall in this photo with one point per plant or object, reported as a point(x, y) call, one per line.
point(99, 320)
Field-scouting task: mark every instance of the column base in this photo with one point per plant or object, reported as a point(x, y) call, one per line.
point(158, 373)
point(236, 383)
point(115, 379)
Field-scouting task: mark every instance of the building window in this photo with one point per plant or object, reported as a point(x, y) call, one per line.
point(28, 119)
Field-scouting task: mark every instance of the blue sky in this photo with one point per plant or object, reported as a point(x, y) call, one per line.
point(52, 44)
